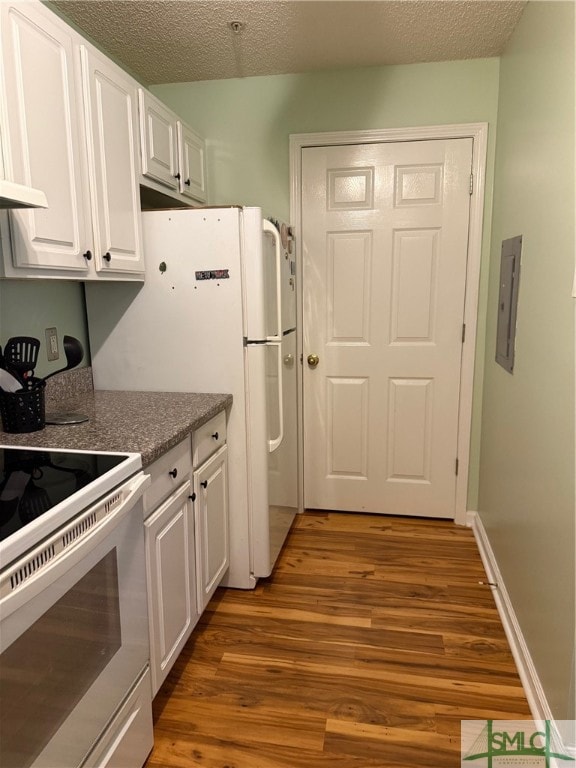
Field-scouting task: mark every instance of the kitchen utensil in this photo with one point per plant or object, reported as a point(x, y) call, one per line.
point(13, 373)
point(8, 382)
point(21, 355)
point(74, 353)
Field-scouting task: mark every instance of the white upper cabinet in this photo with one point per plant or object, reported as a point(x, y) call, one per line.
point(71, 130)
point(192, 163)
point(158, 137)
point(76, 126)
point(43, 140)
point(173, 155)
point(112, 119)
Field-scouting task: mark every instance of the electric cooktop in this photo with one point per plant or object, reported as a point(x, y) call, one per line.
point(41, 489)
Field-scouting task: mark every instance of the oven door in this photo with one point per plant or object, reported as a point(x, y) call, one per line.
point(74, 633)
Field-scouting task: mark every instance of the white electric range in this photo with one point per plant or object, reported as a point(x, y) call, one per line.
point(74, 648)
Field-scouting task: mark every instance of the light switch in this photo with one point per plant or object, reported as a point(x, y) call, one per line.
point(508, 301)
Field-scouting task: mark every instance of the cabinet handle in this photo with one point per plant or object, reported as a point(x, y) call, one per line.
point(173, 473)
point(204, 484)
point(187, 182)
point(107, 256)
point(215, 435)
point(177, 176)
point(192, 497)
point(88, 255)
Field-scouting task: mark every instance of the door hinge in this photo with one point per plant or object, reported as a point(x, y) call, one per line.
point(463, 332)
point(471, 183)
point(456, 467)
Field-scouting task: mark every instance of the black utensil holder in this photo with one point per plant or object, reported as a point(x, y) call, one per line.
point(24, 411)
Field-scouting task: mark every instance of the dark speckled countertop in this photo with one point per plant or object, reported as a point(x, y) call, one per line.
point(149, 423)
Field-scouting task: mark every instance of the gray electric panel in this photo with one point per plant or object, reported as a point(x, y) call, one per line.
point(508, 301)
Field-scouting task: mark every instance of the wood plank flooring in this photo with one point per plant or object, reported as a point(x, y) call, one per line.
point(367, 646)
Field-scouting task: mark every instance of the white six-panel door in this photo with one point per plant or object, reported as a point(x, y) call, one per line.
point(385, 235)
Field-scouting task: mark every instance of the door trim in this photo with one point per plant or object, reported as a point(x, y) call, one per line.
point(479, 133)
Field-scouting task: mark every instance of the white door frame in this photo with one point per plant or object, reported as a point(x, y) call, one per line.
point(479, 133)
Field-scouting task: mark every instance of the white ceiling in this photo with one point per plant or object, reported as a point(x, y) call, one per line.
point(167, 41)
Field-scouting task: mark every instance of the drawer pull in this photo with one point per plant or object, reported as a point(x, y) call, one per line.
point(204, 484)
point(215, 435)
point(173, 473)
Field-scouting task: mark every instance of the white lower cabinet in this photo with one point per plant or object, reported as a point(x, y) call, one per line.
point(187, 540)
point(211, 516)
point(171, 573)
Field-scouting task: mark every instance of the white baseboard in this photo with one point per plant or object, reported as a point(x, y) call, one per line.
point(537, 701)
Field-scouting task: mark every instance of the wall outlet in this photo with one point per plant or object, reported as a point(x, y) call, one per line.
point(52, 351)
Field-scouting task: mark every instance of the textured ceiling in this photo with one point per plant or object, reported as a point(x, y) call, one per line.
point(166, 41)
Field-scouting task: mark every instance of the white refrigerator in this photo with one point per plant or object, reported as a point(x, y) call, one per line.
point(216, 313)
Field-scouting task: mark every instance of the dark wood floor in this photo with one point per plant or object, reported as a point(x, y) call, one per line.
point(368, 645)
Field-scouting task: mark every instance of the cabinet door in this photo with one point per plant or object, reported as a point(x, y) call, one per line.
point(112, 120)
point(158, 139)
point(170, 561)
point(211, 514)
point(44, 141)
point(192, 163)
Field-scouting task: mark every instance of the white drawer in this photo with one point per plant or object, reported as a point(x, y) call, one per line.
point(208, 438)
point(167, 473)
point(129, 739)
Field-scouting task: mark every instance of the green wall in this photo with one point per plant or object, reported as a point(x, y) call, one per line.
point(248, 122)
point(523, 481)
point(28, 307)
point(526, 496)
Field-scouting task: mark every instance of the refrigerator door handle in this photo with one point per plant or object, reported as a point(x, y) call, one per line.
point(271, 230)
point(275, 442)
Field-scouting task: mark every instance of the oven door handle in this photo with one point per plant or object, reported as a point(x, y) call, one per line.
point(29, 575)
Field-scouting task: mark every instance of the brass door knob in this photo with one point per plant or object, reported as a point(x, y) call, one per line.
point(313, 360)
